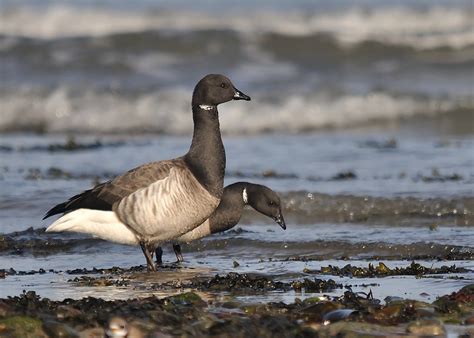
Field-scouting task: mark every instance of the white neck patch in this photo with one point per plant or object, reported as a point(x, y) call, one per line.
point(245, 196)
point(206, 107)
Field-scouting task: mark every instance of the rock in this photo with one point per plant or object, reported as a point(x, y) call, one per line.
point(188, 298)
point(316, 285)
point(317, 311)
point(457, 302)
point(5, 309)
point(66, 312)
point(238, 282)
point(95, 332)
point(358, 329)
point(426, 327)
point(469, 320)
point(390, 299)
point(425, 312)
point(347, 175)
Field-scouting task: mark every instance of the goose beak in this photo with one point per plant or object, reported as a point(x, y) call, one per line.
point(238, 95)
point(280, 220)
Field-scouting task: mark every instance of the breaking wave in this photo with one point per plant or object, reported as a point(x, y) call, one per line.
point(128, 69)
point(308, 207)
point(167, 111)
point(431, 27)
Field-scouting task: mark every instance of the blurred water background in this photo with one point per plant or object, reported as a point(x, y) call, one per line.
point(115, 66)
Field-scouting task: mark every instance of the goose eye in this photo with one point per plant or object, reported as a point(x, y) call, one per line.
point(271, 203)
point(223, 85)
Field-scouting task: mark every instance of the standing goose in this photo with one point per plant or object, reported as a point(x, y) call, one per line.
point(235, 197)
point(161, 201)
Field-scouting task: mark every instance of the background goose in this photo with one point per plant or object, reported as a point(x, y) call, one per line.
point(225, 217)
point(161, 201)
point(229, 212)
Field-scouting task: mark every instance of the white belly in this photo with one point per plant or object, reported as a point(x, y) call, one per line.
point(98, 223)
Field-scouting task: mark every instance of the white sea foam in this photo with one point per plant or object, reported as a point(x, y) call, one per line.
point(433, 27)
point(168, 111)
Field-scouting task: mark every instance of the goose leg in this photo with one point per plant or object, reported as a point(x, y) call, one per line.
point(149, 258)
point(159, 255)
point(177, 252)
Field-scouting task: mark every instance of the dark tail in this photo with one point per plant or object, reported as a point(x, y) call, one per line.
point(58, 209)
point(87, 199)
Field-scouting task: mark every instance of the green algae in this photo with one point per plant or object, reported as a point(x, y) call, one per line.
point(22, 326)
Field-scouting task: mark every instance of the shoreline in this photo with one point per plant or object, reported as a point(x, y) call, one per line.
point(198, 312)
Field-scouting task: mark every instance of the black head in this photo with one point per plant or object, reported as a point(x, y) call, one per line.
point(265, 201)
point(214, 89)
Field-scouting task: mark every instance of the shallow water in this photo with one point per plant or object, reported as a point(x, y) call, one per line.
point(405, 198)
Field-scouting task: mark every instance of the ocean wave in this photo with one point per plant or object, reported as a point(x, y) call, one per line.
point(309, 207)
point(164, 54)
point(167, 111)
point(322, 249)
point(432, 27)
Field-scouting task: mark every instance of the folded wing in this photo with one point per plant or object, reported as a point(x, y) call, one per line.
point(104, 195)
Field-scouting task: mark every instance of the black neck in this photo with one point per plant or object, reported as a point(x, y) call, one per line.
point(206, 156)
point(229, 211)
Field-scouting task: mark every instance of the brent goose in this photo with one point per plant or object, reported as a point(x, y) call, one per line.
point(161, 201)
point(225, 217)
point(236, 196)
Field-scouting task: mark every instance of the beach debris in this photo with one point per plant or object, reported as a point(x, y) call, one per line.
point(187, 314)
point(338, 315)
point(316, 311)
point(269, 173)
point(461, 301)
point(316, 285)
point(70, 144)
point(101, 281)
point(380, 145)
point(437, 176)
point(187, 298)
point(345, 175)
point(381, 270)
point(54, 173)
point(238, 282)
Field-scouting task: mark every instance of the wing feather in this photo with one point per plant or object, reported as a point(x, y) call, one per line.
point(104, 195)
